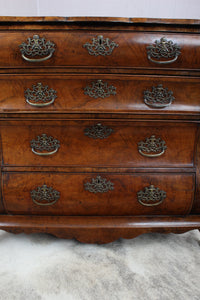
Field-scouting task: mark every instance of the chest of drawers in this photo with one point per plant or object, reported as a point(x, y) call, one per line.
point(99, 126)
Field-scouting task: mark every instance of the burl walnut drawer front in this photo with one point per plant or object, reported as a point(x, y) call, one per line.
point(99, 49)
point(99, 143)
point(98, 194)
point(98, 93)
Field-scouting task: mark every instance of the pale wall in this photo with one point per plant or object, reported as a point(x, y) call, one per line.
point(124, 8)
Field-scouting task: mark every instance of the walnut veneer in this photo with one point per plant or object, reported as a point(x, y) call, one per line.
point(99, 126)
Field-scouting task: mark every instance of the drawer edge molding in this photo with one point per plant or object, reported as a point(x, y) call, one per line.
point(95, 229)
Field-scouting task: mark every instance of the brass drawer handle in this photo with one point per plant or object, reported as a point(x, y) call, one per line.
point(40, 95)
point(100, 46)
point(99, 185)
point(163, 49)
point(45, 143)
point(100, 89)
point(163, 61)
point(152, 147)
point(151, 196)
point(158, 97)
point(44, 195)
point(37, 46)
point(98, 131)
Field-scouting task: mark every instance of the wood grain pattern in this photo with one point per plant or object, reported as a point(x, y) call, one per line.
point(80, 214)
point(129, 96)
point(98, 229)
point(120, 149)
point(53, 19)
point(196, 204)
point(75, 200)
point(70, 52)
point(1, 201)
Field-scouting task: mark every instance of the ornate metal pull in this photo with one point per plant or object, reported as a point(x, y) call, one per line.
point(159, 97)
point(44, 195)
point(40, 95)
point(100, 89)
point(152, 147)
point(45, 143)
point(99, 185)
point(163, 49)
point(98, 131)
point(37, 46)
point(100, 46)
point(151, 196)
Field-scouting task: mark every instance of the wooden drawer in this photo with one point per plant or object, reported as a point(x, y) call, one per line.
point(98, 93)
point(97, 194)
point(98, 143)
point(127, 49)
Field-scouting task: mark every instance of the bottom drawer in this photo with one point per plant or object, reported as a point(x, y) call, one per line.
point(98, 194)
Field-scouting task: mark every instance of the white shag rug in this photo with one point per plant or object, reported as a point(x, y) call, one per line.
point(149, 267)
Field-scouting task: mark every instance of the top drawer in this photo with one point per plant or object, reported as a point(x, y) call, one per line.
point(99, 49)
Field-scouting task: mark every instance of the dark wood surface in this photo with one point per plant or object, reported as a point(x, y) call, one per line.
point(96, 23)
point(196, 204)
point(119, 149)
point(71, 95)
point(99, 19)
point(1, 202)
point(98, 229)
point(75, 200)
point(69, 50)
point(116, 158)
